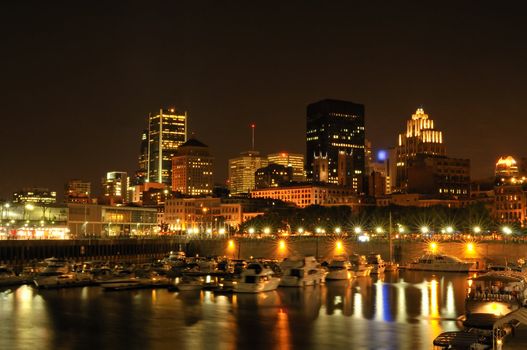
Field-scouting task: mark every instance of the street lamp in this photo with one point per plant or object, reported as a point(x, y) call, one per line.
point(337, 230)
point(267, 230)
point(379, 229)
point(507, 230)
point(300, 230)
point(251, 230)
point(357, 230)
point(425, 230)
point(449, 229)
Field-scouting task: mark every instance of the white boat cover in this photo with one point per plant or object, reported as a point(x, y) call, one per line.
point(519, 315)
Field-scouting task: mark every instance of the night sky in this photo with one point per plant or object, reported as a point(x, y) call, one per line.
point(79, 78)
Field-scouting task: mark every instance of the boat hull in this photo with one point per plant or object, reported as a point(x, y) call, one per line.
point(340, 275)
point(266, 286)
point(311, 280)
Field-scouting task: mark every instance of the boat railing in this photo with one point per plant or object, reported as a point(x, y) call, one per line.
point(493, 296)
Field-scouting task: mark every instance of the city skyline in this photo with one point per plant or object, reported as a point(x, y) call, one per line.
point(94, 82)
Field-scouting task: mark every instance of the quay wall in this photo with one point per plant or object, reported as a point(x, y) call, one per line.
point(18, 252)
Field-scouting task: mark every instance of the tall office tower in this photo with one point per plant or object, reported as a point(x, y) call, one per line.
point(335, 128)
point(293, 160)
point(506, 170)
point(242, 171)
point(167, 130)
point(420, 138)
point(192, 169)
point(115, 187)
point(77, 191)
point(273, 175)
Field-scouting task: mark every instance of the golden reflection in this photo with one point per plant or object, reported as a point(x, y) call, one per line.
point(401, 304)
point(154, 296)
point(357, 305)
point(450, 301)
point(282, 331)
point(379, 301)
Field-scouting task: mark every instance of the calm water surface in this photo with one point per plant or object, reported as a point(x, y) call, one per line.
point(405, 310)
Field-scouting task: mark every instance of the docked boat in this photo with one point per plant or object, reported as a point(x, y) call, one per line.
point(340, 269)
point(256, 278)
point(188, 283)
point(439, 262)
point(9, 278)
point(377, 264)
point(302, 272)
point(150, 282)
point(360, 266)
point(57, 274)
point(174, 259)
point(493, 295)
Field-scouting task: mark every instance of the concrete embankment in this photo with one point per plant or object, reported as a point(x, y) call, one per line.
point(17, 252)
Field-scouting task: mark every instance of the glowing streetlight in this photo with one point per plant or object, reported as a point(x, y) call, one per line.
point(433, 247)
point(507, 230)
point(267, 230)
point(425, 230)
point(477, 229)
point(251, 230)
point(339, 247)
point(379, 229)
point(449, 229)
point(470, 247)
point(231, 244)
point(337, 230)
point(281, 245)
point(357, 230)
point(318, 230)
point(300, 230)
point(401, 229)
point(221, 231)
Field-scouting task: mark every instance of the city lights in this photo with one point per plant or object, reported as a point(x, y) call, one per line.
point(339, 247)
point(221, 231)
point(477, 229)
point(251, 230)
point(231, 244)
point(433, 247)
point(470, 247)
point(267, 230)
point(281, 245)
point(379, 230)
point(506, 230)
point(364, 238)
point(357, 230)
point(425, 230)
point(449, 229)
point(300, 230)
point(337, 230)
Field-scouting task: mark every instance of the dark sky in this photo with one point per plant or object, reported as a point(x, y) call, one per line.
point(78, 78)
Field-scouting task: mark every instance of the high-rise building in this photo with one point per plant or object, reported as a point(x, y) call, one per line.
point(420, 138)
point(335, 132)
point(167, 130)
point(506, 169)
point(242, 170)
point(115, 187)
point(273, 175)
point(77, 191)
point(192, 169)
point(293, 160)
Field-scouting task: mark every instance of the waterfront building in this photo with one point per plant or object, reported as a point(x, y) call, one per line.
point(192, 169)
point(35, 195)
point(293, 160)
point(201, 215)
point(308, 194)
point(335, 143)
point(510, 203)
point(420, 137)
point(167, 130)
point(34, 220)
point(273, 175)
point(111, 221)
point(421, 201)
point(242, 170)
point(115, 187)
point(77, 191)
point(438, 175)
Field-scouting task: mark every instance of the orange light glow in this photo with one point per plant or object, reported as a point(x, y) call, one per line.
point(433, 247)
point(470, 247)
point(281, 245)
point(231, 244)
point(339, 247)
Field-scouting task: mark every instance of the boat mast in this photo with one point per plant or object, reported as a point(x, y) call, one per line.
point(390, 238)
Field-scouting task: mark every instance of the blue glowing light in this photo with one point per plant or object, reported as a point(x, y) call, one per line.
point(382, 155)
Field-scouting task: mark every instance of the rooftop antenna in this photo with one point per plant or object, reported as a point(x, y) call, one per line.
point(253, 126)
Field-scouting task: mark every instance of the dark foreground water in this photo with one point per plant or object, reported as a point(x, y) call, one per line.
point(406, 310)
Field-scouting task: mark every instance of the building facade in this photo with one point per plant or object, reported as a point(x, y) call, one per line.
point(115, 187)
point(420, 137)
point(192, 169)
point(293, 160)
point(242, 170)
point(167, 130)
point(438, 175)
point(77, 191)
point(273, 175)
point(335, 133)
point(510, 203)
point(35, 195)
point(308, 194)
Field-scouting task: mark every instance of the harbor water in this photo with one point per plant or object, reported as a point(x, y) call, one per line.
point(402, 310)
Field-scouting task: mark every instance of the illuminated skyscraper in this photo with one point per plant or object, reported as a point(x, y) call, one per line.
point(242, 171)
point(167, 130)
point(335, 143)
point(420, 138)
point(293, 160)
point(77, 191)
point(115, 187)
point(192, 169)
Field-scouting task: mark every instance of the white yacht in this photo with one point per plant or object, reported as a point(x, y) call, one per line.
point(360, 266)
point(340, 269)
point(57, 274)
point(439, 262)
point(9, 278)
point(302, 272)
point(174, 259)
point(376, 263)
point(256, 278)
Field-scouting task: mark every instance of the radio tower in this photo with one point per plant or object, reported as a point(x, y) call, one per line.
point(253, 126)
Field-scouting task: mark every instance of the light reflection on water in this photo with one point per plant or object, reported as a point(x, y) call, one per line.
point(399, 311)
